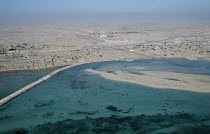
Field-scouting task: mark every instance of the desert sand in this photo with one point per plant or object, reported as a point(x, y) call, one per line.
point(38, 46)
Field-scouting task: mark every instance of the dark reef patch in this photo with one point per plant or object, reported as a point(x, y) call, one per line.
point(44, 103)
point(113, 108)
point(129, 110)
point(119, 124)
point(48, 114)
point(82, 103)
point(78, 84)
point(5, 117)
point(18, 131)
point(86, 113)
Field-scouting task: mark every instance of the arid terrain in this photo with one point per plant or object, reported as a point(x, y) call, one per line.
point(37, 46)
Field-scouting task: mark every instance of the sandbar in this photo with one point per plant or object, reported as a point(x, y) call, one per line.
point(161, 79)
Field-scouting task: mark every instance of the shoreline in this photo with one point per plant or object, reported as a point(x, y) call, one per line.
point(60, 69)
point(37, 70)
point(30, 70)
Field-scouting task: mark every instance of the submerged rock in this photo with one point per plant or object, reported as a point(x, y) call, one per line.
point(44, 103)
point(5, 117)
point(119, 124)
point(49, 114)
point(112, 108)
point(129, 110)
point(87, 113)
point(18, 131)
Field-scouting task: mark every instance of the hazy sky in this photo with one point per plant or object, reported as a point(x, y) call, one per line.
point(40, 9)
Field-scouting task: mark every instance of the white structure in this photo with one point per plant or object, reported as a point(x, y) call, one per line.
point(103, 36)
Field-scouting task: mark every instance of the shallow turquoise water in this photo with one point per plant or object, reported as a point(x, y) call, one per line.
point(11, 82)
point(85, 97)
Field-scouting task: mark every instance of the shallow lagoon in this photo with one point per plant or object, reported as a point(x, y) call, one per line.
point(15, 80)
point(75, 97)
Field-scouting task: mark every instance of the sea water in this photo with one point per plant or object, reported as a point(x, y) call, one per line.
point(15, 80)
point(76, 101)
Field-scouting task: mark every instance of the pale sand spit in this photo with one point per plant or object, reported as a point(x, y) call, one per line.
point(161, 79)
